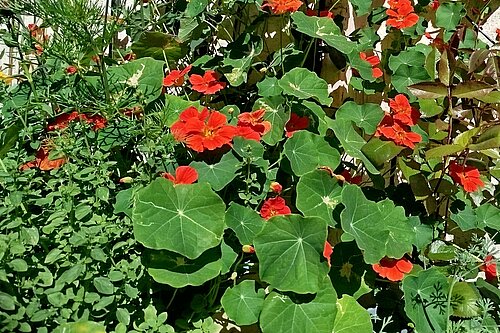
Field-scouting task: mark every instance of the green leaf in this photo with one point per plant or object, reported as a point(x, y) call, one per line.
point(352, 142)
point(323, 28)
point(245, 222)
point(439, 251)
point(104, 285)
point(362, 7)
point(289, 249)
point(269, 87)
point(426, 295)
point(380, 152)
point(366, 116)
point(220, 174)
point(174, 105)
point(228, 258)
point(492, 97)
point(82, 327)
point(304, 84)
point(406, 76)
point(351, 317)
point(318, 194)
point(472, 89)
point(449, 14)
point(242, 303)
point(18, 265)
point(391, 236)
point(241, 54)
point(444, 150)
point(145, 76)
point(251, 150)
point(178, 271)
point(159, 46)
point(428, 90)
point(196, 7)
point(123, 316)
point(406, 58)
point(187, 219)
point(317, 115)
point(276, 115)
point(487, 140)
point(464, 298)
point(306, 151)
point(281, 313)
point(7, 302)
point(423, 233)
point(8, 139)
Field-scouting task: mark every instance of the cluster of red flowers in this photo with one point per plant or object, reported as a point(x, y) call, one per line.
point(467, 176)
point(279, 7)
point(393, 269)
point(62, 121)
point(274, 206)
point(374, 61)
point(489, 267)
point(183, 175)
point(209, 130)
point(396, 126)
point(401, 14)
point(296, 123)
point(208, 84)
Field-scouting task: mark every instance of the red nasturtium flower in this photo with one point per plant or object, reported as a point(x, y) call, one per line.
point(403, 111)
point(176, 77)
point(279, 7)
point(327, 252)
point(43, 162)
point(274, 206)
point(397, 132)
point(70, 70)
point(393, 269)
point(374, 62)
point(251, 125)
point(205, 130)
point(401, 14)
point(498, 33)
point(183, 175)
point(208, 83)
point(62, 121)
point(434, 4)
point(276, 187)
point(295, 124)
point(489, 268)
point(346, 175)
point(467, 176)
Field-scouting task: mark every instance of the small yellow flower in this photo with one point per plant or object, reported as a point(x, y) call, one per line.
point(5, 78)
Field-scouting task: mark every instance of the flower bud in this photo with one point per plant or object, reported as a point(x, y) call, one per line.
point(248, 249)
point(70, 70)
point(126, 180)
point(276, 187)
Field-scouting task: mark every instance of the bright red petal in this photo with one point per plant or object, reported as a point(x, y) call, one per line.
point(186, 175)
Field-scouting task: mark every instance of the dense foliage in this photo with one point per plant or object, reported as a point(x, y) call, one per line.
point(178, 166)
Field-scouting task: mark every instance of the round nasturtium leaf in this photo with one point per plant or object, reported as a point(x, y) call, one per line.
point(304, 84)
point(242, 303)
point(187, 219)
point(284, 314)
point(244, 221)
point(318, 194)
point(464, 297)
point(306, 151)
point(426, 295)
point(351, 317)
point(178, 271)
point(220, 174)
point(289, 249)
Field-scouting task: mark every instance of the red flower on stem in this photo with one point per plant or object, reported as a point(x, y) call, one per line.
point(43, 162)
point(208, 83)
point(203, 130)
point(403, 111)
point(397, 132)
point(393, 269)
point(274, 206)
point(279, 7)
point(252, 126)
point(176, 77)
point(327, 252)
point(374, 62)
point(183, 175)
point(467, 176)
point(401, 14)
point(276, 187)
point(295, 124)
point(489, 267)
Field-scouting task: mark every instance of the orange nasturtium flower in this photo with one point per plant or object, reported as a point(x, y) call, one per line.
point(327, 252)
point(207, 84)
point(205, 130)
point(274, 206)
point(374, 61)
point(279, 7)
point(176, 77)
point(393, 269)
point(183, 175)
point(42, 160)
point(401, 14)
point(252, 126)
point(467, 176)
point(489, 268)
point(403, 111)
point(397, 132)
